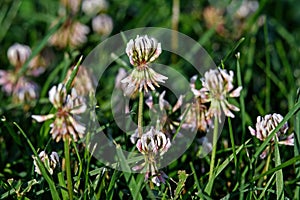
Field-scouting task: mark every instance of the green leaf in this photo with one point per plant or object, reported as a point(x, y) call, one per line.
point(63, 187)
point(262, 195)
point(283, 165)
point(5, 24)
point(279, 175)
point(297, 144)
point(110, 190)
point(133, 186)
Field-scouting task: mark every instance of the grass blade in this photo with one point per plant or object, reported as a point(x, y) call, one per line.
point(297, 145)
point(42, 168)
point(133, 186)
point(9, 18)
point(279, 175)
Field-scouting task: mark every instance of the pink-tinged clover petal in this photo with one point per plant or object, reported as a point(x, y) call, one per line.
point(288, 141)
point(236, 92)
point(41, 118)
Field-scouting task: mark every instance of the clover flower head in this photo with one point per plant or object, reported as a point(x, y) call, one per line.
point(217, 87)
point(153, 144)
point(91, 7)
point(214, 18)
point(18, 54)
point(65, 119)
point(153, 141)
point(102, 24)
point(49, 163)
point(72, 33)
point(264, 127)
point(141, 52)
point(25, 90)
point(22, 89)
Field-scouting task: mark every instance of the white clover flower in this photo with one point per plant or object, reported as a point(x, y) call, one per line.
point(153, 141)
point(141, 52)
point(91, 7)
point(18, 54)
point(72, 33)
point(49, 163)
point(102, 24)
point(153, 144)
point(264, 127)
point(65, 124)
point(25, 90)
point(217, 87)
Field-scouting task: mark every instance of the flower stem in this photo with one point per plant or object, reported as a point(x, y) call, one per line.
point(68, 168)
point(214, 150)
point(267, 163)
point(140, 114)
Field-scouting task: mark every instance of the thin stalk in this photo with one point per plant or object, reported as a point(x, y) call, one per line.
point(213, 154)
point(68, 168)
point(140, 114)
point(232, 142)
point(267, 164)
point(87, 158)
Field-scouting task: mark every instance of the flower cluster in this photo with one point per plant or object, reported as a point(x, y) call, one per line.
point(196, 117)
point(265, 126)
point(153, 145)
point(49, 163)
point(20, 86)
point(141, 52)
point(217, 86)
point(73, 33)
point(67, 107)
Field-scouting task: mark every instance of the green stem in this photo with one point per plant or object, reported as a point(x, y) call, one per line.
point(232, 142)
point(68, 168)
point(213, 154)
point(267, 163)
point(140, 114)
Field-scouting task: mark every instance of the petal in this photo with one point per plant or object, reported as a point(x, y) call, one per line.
point(41, 118)
point(288, 141)
point(236, 92)
point(252, 131)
